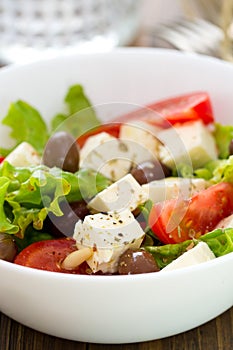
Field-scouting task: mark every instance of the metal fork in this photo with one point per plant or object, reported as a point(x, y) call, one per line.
point(196, 35)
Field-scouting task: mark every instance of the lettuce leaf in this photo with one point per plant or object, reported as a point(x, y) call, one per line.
point(26, 125)
point(28, 194)
point(5, 224)
point(220, 241)
point(223, 172)
point(31, 236)
point(165, 254)
point(81, 116)
point(223, 135)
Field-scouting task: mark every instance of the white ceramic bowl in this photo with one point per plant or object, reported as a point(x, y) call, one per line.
point(118, 309)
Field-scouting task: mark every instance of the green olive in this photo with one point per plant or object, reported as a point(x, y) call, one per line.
point(62, 151)
point(8, 249)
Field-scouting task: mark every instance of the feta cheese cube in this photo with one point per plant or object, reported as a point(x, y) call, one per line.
point(173, 187)
point(109, 235)
point(125, 193)
point(197, 255)
point(107, 155)
point(191, 143)
point(142, 133)
point(24, 155)
point(110, 156)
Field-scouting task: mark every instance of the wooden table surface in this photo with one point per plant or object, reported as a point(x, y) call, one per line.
point(214, 335)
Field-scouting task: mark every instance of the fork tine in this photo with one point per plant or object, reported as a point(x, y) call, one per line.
point(208, 36)
point(195, 35)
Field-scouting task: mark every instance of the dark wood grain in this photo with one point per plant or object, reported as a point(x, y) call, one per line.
point(214, 335)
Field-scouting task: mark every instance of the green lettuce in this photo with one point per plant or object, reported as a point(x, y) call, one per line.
point(27, 124)
point(220, 241)
point(223, 172)
point(223, 135)
point(28, 194)
point(80, 116)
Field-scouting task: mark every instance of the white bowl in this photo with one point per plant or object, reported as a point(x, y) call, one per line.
point(118, 309)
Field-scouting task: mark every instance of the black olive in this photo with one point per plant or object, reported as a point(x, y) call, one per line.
point(62, 151)
point(8, 249)
point(136, 261)
point(149, 171)
point(64, 225)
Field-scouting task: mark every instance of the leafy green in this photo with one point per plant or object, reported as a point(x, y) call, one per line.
point(223, 171)
point(90, 182)
point(203, 173)
point(81, 116)
point(31, 236)
point(165, 254)
point(26, 125)
point(145, 209)
point(76, 100)
point(223, 136)
point(28, 194)
point(183, 170)
point(58, 120)
point(220, 241)
point(5, 224)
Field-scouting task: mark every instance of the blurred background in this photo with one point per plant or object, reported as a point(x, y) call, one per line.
point(37, 29)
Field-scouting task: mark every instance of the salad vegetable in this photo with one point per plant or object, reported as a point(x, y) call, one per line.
point(132, 196)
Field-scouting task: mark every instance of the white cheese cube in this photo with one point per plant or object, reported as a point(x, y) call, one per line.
point(107, 155)
point(142, 133)
point(197, 255)
point(125, 193)
point(173, 187)
point(23, 155)
point(226, 222)
point(191, 143)
point(110, 156)
point(93, 142)
point(109, 235)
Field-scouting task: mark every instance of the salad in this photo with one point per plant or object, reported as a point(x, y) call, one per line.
point(149, 192)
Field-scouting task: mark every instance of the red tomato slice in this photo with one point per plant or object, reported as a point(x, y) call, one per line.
point(175, 221)
point(179, 109)
point(48, 255)
point(1, 159)
point(112, 128)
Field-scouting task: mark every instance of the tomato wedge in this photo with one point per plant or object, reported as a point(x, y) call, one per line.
point(179, 109)
point(112, 129)
point(176, 221)
point(48, 255)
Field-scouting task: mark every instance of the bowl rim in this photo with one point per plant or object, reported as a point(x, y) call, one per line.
point(116, 51)
point(161, 275)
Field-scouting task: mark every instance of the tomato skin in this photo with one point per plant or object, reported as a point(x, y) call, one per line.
point(175, 221)
point(48, 255)
point(1, 159)
point(179, 109)
point(112, 129)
